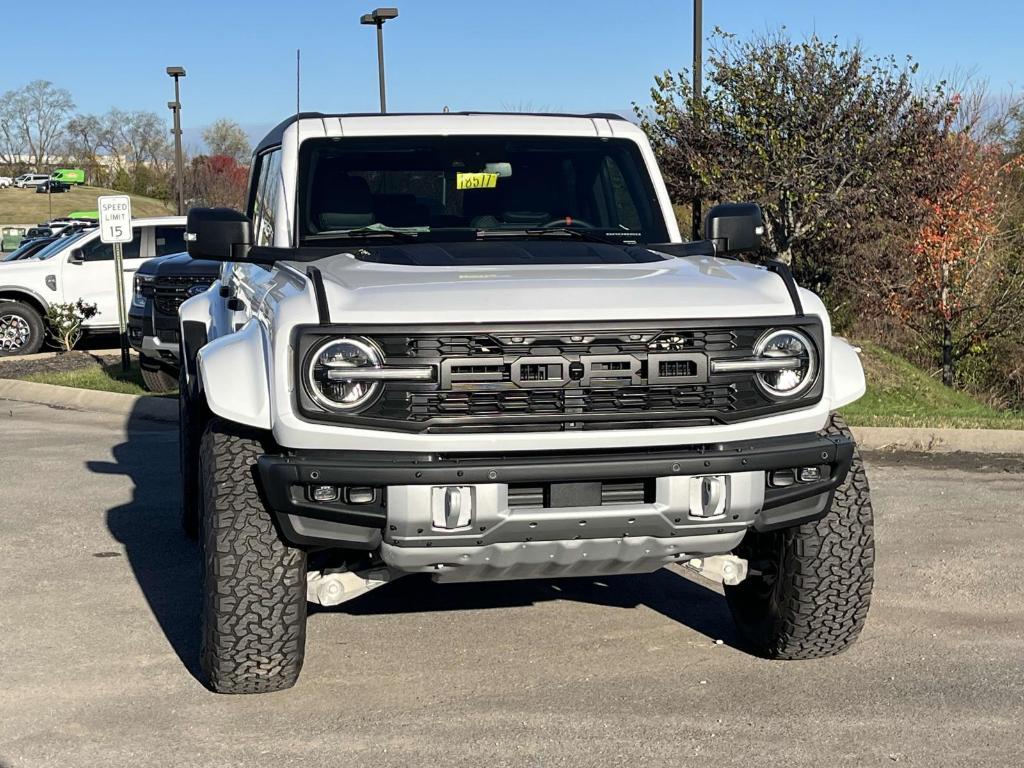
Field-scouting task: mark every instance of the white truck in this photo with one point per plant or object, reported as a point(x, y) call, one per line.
point(79, 266)
point(475, 346)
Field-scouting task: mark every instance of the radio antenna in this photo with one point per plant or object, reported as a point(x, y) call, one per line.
point(295, 172)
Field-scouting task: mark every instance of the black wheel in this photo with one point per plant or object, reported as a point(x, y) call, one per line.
point(156, 378)
point(189, 433)
point(812, 596)
point(254, 585)
point(21, 329)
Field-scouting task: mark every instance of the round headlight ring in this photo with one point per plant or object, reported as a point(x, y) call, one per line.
point(363, 393)
point(809, 371)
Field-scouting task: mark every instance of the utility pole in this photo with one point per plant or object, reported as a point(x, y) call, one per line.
point(698, 41)
point(376, 18)
point(175, 106)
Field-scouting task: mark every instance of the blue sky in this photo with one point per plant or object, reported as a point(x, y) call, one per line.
point(572, 55)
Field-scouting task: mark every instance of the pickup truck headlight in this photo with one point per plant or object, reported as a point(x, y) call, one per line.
point(142, 285)
point(340, 373)
point(797, 362)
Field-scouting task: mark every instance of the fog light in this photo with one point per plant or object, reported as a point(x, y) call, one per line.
point(323, 493)
point(810, 474)
point(359, 495)
point(781, 478)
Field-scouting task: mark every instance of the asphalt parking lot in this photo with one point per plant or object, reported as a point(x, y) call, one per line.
point(98, 636)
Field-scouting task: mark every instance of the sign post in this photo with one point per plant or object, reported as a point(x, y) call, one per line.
point(116, 227)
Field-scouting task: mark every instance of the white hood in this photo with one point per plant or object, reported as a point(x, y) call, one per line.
point(694, 287)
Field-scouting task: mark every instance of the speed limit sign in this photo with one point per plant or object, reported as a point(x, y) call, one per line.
point(116, 227)
point(115, 218)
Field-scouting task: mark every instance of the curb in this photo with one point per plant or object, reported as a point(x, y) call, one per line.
point(939, 440)
point(128, 406)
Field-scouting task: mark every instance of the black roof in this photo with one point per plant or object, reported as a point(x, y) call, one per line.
point(273, 138)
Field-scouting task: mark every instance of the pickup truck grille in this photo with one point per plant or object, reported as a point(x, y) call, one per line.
point(531, 377)
point(170, 292)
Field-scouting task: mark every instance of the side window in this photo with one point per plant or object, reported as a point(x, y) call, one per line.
point(265, 203)
point(96, 250)
point(168, 240)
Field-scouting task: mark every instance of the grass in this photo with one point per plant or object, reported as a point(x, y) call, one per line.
point(902, 395)
point(107, 378)
point(26, 206)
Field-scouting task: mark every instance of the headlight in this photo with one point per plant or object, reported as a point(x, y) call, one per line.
point(327, 368)
point(798, 362)
point(142, 282)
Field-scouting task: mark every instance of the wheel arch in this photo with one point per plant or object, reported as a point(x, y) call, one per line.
point(233, 374)
point(25, 296)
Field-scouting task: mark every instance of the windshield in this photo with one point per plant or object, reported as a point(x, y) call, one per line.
point(440, 188)
point(23, 252)
point(58, 245)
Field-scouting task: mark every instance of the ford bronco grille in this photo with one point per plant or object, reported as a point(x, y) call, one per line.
point(533, 377)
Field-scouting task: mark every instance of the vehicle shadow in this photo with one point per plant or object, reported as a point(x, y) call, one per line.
point(665, 591)
point(164, 562)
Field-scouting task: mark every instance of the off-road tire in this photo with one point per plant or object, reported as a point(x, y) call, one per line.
point(156, 378)
point(813, 597)
point(254, 585)
point(34, 321)
point(189, 435)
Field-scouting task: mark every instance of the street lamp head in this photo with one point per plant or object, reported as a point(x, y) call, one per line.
point(176, 71)
point(379, 16)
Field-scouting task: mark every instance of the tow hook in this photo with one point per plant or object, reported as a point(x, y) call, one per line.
point(339, 585)
point(724, 569)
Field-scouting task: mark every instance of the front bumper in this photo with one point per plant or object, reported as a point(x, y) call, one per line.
point(154, 334)
point(571, 523)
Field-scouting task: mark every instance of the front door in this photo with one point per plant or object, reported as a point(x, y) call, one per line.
point(92, 280)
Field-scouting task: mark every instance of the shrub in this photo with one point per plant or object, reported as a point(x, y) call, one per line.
point(66, 322)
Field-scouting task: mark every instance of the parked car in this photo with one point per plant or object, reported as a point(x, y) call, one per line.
point(69, 175)
point(50, 185)
point(161, 285)
point(78, 267)
point(5, 181)
point(11, 237)
point(474, 346)
point(27, 180)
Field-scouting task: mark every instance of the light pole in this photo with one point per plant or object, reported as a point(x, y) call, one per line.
point(376, 18)
point(698, 39)
point(175, 107)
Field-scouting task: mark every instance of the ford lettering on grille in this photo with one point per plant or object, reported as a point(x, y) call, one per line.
point(563, 371)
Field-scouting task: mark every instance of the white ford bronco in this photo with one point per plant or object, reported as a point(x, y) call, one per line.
point(475, 346)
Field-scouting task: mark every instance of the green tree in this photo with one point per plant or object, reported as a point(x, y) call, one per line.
point(829, 141)
point(228, 138)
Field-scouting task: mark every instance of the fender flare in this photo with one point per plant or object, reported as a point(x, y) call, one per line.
point(27, 293)
point(234, 375)
point(845, 382)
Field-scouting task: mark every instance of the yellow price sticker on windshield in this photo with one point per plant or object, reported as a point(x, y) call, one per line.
point(476, 180)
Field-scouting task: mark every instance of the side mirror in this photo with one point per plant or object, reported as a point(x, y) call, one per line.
point(76, 257)
point(218, 234)
point(734, 227)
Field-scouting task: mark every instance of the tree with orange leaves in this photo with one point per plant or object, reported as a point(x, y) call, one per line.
point(966, 284)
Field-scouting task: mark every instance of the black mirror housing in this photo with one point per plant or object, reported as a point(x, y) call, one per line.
point(735, 227)
point(218, 234)
point(76, 257)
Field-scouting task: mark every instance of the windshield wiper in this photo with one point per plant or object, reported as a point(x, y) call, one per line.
point(580, 234)
point(373, 230)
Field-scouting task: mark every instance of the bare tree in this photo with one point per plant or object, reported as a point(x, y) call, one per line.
point(32, 120)
point(83, 141)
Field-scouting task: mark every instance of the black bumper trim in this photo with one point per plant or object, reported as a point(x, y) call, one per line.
point(284, 477)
